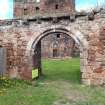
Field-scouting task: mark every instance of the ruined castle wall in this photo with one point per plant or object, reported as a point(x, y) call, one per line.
point(18, 40)
point(64, 45)
point(44, 8)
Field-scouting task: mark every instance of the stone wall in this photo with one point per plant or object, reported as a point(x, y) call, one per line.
point(20, 41)
point(63, 45)
point(31, 9)
point(61, 6)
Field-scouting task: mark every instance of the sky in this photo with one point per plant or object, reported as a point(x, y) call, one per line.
point(87, 4)
point(6, 7)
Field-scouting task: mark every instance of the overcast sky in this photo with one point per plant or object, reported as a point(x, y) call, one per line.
point(6, 7)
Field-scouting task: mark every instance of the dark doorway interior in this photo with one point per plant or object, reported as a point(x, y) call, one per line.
point(55, 53)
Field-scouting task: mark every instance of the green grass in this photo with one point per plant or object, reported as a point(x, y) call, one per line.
point(60, 85)
point(68, 70)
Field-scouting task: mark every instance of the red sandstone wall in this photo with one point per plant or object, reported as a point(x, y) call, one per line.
point(66, 46)
point(17, 62)
point(46, 7)
point(49, 6)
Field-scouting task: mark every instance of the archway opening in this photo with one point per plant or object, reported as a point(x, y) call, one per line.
point(57, 57)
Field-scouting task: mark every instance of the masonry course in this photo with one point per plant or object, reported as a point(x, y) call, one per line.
point(20, 37)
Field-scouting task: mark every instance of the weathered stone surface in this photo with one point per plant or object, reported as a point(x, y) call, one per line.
point(45, 8)
point(21, 42)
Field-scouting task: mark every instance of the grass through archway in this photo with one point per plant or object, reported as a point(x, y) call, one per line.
point(67, 69)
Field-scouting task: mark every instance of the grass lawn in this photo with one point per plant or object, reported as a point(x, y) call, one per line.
point(60, 86)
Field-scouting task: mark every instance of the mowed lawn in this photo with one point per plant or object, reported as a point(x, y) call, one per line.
point(64, 70)
point(60, 85)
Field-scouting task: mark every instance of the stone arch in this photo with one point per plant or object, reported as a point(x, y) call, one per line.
point(76, 35)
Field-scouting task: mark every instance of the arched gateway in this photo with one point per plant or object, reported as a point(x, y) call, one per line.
point(21, 37)
point(34, 46)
